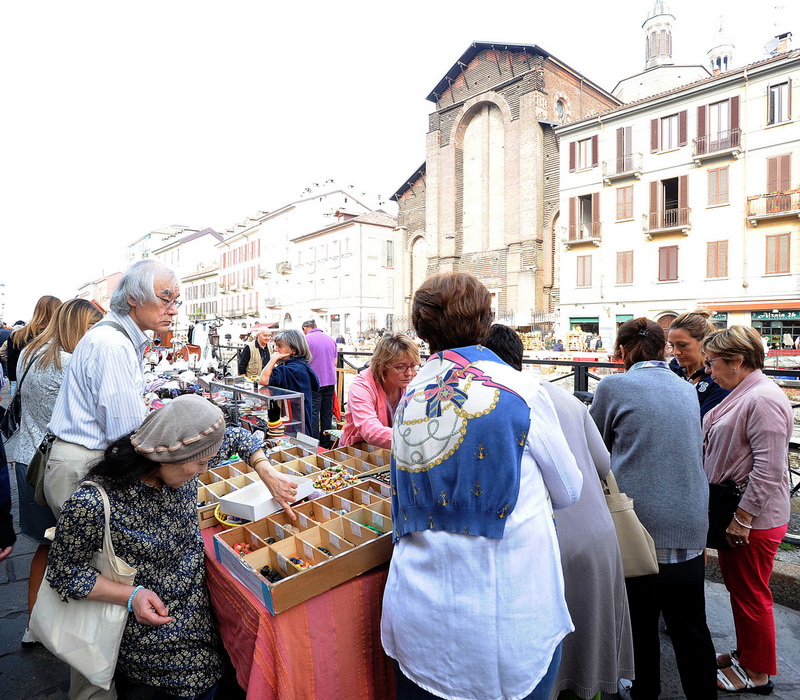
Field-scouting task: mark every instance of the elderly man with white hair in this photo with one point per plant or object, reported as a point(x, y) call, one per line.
point(101, 398)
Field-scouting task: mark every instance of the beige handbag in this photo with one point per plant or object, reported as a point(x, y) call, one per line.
point(635, 544)
point(86, 634)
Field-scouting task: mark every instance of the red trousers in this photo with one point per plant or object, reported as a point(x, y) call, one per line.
point(746, 572)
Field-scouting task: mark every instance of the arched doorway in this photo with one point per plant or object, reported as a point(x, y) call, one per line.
point(666, 321)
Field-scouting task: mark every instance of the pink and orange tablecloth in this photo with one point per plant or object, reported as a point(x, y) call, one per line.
point(327, 648)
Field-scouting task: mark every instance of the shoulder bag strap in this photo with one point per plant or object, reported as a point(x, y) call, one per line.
point(27, 369)
point(108, 547)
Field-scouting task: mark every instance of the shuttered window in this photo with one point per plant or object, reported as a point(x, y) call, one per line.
point(625, 267)
point(717, 186)
point(667, 263)
point(779, 174)
point(778, 254)
point(717, 259)
point(584, 278)
point(624, 203)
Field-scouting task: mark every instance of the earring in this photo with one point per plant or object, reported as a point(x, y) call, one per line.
point(735, 371)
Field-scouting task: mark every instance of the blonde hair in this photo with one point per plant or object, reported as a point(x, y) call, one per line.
point(42, 313)
point(66, 328)
point(695, 323)
point(389, 349)
point(737, 342)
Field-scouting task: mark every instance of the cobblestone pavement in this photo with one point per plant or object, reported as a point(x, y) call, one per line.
point(34, 674)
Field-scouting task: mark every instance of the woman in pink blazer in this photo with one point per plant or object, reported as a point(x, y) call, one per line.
point(746, 439)
point(375, 393)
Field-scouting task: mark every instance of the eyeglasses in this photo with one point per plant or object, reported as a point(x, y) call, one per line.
point(170, 303)
point(711, 361)
point(402, 369)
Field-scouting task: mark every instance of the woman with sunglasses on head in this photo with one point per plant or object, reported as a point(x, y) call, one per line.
point(375, 393)
point(746, 439)
point(289, 368)
point(686, 335)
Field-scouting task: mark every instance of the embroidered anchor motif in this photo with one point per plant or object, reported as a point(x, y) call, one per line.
point(443, 498)
point(477, 490)
point(430, 522)
point(415, 487)
point(481, 453)
point(523, 436)
point(466, 530)
point(503, 511)
point(405, 515)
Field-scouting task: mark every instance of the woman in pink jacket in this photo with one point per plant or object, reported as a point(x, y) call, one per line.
point(375, 393)
point(746, 439)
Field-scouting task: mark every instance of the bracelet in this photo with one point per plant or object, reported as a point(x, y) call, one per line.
point(130, 600)
point(259, 460)
point(736, 518)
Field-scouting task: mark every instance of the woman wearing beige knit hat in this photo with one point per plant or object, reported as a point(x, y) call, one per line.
point(170, 641)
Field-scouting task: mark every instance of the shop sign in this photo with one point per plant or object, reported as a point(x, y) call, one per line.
point(334, 318)
point(719, 318)
point(775, 316)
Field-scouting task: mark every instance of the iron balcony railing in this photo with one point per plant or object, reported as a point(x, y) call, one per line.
point(670, 218)
point(775, 203)
point(586, 231)
point(722, 141)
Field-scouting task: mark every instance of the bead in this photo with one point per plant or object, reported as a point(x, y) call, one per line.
point(270, 574)
point(324, 551)
point(299, 563)
point(270, 540)
point(374, 529)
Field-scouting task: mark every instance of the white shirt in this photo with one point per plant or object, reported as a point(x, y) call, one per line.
point(478, 618)
point(101, 398)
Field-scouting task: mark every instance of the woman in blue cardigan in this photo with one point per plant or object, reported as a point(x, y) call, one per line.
point(288, 368)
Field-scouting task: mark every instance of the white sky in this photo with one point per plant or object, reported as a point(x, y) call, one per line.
point(120, 118)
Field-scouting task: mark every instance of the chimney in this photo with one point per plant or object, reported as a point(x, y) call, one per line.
point(784, 42)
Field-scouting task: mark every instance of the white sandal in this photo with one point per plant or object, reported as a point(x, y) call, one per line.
point(747, 682)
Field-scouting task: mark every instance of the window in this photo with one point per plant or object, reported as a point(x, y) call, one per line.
point(668, 263)
point(668, 132)
point(779, 173)
point(717, 186)
point(668, 203)
point(717, 126)
point(584, 217)
point(389, 257)
point(625, 267)
point(717, 259)
point(583, 154)
point(624, 203)
point(624, 162)
point(778, 101)
point(778, 254)
point(584, 271)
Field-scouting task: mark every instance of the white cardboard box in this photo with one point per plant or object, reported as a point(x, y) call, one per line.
point(255, 501)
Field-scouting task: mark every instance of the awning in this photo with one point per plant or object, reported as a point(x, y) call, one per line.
point(755, 305)
point(587, 319)
point(621, 318)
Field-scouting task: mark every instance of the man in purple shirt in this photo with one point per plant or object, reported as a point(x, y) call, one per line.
point(323, 362)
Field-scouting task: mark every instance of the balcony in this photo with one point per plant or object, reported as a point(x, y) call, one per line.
point(725, 144)
point(263, 273)
point(271, 303)
point(247, 285)
point(778, 205)
point(667, 221)
point(622, 168)
point(223, 289)
point(251, 310)
point(585, 233)
point(236, 311)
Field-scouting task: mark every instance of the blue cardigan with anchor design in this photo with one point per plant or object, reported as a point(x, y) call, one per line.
point(457, 446)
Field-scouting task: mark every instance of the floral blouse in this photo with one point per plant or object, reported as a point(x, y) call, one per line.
point(155, 531)
point(236, 441)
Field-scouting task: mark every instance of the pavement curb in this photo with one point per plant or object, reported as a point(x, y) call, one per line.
point(784, 584)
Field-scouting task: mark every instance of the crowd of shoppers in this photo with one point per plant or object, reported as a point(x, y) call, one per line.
point(494, 475)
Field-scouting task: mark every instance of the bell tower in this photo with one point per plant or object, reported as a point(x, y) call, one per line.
point(658, 36)
point(720, 55)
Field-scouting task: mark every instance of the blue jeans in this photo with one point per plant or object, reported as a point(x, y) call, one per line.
point(408, 690)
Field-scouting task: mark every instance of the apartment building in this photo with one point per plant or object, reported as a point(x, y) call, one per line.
point(684, 198)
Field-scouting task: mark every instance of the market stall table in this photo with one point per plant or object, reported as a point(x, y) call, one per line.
point(328, 647)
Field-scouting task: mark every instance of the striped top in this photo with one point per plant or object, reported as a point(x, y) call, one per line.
point(101, 397)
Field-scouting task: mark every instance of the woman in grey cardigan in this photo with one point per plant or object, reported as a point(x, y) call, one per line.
point(650, 421)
